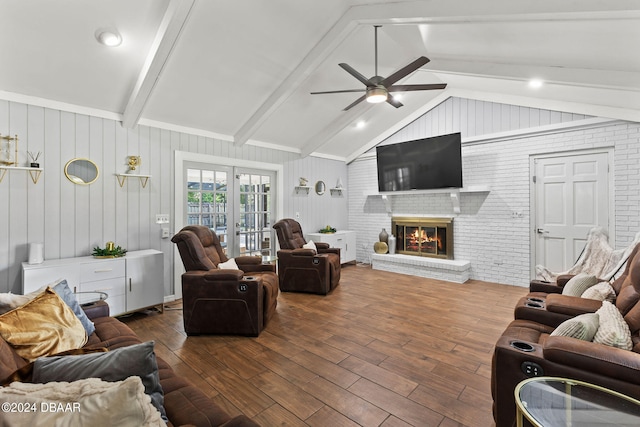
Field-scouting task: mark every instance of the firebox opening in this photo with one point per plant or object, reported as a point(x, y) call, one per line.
point(430, 237)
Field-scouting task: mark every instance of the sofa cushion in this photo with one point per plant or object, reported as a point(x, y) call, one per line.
point(80, 403)
point(578, 284)
point(43, 326)
point(228, 265)
point(62, 289)
point(613, 330)
point(9, 301)
point(116, 365)
point(310, 245)
point(582, 327)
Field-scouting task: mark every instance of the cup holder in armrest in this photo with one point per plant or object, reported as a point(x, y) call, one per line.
point(522, 346)
point(538, 300)
point(533, 304)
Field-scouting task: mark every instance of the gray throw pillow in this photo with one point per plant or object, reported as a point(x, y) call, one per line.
point(64, 292)
point(116, 365)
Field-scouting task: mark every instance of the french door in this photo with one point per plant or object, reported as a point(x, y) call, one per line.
point(237, 203)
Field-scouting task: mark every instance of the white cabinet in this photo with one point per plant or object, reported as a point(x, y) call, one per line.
point(131, 283)
point(343, 239)
point(144, 284)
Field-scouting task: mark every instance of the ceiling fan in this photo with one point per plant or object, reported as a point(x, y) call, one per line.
point(377, 87)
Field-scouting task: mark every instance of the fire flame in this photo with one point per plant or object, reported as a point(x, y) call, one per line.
point(420, 237)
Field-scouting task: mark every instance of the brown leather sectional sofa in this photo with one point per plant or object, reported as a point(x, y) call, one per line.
point(526, 348)
point(183, 402)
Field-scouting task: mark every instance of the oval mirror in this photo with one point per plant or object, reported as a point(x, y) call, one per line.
point(81, 171)
point(320, 187)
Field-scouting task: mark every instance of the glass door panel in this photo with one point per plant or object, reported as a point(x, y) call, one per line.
point(238, 210)
point(207, 200)
point(254, 219)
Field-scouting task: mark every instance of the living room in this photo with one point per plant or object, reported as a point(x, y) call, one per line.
point(505, 132)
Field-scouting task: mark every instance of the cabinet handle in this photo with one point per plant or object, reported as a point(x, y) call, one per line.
point(129, 284)
point(104, 270)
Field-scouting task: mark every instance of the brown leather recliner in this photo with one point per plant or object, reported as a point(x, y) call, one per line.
point(217, 301)
point(526, 349)
point(303, 270)
point(553, 309)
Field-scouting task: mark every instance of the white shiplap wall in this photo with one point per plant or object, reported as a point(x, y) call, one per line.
point(486, 233)
point(70, 219)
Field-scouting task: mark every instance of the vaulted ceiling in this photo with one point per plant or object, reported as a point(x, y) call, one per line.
point(243, 70)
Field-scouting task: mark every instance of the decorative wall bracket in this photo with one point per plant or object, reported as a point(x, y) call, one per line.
point(122, 177)
point(34, 172)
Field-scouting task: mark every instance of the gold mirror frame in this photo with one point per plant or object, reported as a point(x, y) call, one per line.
point(81, 171)
point(320, 188)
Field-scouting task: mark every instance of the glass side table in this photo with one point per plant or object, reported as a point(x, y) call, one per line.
point(554, 402)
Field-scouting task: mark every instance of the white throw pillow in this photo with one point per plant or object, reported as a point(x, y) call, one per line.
point(613, 329)
point(582, 327)
point(601, 292)
point(310, 245)
point(229, 265)
point(578, 284)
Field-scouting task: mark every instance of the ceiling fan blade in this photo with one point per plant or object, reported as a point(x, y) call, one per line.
point(339, 91)
point(404, 71)
point(349, 69)
point(391, 100)
point(354, 103)
point(408, 88)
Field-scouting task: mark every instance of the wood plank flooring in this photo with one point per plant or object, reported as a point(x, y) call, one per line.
point(382, 350)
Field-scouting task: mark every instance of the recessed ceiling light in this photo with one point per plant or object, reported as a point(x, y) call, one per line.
point(360, 124)
point(109, 38)
point(535, 83)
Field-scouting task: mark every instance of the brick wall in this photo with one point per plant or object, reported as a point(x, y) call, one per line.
point(493, 228)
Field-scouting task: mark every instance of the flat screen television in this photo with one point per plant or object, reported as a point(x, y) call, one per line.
point(423, 164)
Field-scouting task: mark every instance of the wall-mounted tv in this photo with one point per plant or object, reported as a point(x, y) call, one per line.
point(423, 164)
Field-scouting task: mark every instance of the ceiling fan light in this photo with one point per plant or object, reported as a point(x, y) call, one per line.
point(376, 95)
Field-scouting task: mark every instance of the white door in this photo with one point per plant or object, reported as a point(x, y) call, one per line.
point(571, 196)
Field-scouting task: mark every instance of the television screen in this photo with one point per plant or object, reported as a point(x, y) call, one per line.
point(423, 164)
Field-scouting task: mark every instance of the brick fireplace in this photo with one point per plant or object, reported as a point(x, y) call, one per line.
point(421, 236)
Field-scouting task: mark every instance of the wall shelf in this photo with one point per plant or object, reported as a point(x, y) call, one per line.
point(34, 172)
point(122, 177)
point(336, 191)
point(302, 189)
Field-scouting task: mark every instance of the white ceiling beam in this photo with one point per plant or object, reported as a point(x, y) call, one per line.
point(173, 22)
point(413, 13)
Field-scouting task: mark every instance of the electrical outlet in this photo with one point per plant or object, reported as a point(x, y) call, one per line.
point(165, 232)
point(162, 218)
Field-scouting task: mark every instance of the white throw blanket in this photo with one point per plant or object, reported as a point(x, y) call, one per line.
point(598, 258)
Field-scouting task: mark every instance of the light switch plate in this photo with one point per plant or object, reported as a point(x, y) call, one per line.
point(162, 218)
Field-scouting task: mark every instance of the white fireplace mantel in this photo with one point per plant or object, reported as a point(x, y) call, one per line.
point(453, 192)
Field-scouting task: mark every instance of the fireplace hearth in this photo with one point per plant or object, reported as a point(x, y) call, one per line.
point(421, 236)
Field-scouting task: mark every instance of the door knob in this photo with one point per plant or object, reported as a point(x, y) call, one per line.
point(542, 231)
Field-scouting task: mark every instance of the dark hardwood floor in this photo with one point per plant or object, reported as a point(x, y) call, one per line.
point(382, 350)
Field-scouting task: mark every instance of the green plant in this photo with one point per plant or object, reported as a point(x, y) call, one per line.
point(115, 252)
point(328, 229)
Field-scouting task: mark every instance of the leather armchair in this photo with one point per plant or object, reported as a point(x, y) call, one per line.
point(553, 309)
point(597, 258)
point(304, 270)
point(217, 301)
point(526, 349)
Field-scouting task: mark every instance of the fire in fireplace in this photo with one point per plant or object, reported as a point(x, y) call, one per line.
point(430, 237)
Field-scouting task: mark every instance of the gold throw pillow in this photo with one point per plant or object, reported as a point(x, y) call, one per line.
point(43, 326)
